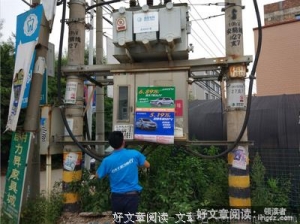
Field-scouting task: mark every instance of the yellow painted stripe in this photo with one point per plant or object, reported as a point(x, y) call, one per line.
point(70, 176)
point(239, 181)
point(239, 202)
point(231, 157)
point(71, 198)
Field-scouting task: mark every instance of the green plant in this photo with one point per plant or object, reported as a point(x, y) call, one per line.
point(178, 182)
point(268, 191)
point(6, 219)
point(94, 193)
point(44, 209)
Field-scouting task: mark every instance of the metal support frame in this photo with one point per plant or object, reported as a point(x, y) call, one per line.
point(58, 140)
point(193, 65)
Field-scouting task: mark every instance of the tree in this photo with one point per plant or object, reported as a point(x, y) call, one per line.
point(1, 27)
point(7, 69)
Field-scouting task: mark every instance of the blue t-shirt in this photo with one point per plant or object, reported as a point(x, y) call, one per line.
point(122, 168)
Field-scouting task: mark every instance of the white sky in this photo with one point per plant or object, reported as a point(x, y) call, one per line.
point(209, 33)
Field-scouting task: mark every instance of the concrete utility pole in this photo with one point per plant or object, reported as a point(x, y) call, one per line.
point(74, 103)
point(90, 86)
point(32, 117)
point(100, 125)
point(239, 180)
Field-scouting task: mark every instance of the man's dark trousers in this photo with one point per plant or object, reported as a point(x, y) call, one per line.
point(124, 207)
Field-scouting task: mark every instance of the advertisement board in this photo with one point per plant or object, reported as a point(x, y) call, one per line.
point(155, 114)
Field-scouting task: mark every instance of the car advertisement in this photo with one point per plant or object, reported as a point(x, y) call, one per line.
point(156, 97)
point(155, 114)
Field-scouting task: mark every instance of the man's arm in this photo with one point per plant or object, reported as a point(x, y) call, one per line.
point(146, 164)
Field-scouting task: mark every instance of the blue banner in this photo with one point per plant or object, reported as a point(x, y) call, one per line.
point(28, 30)
point(28, 25)
point(154, 123)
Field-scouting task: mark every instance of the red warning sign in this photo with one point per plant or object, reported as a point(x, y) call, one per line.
point(121, 24)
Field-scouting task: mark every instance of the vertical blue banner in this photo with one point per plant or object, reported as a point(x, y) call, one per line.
point(28, 29)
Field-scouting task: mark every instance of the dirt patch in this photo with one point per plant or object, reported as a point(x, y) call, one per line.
point(83, 218)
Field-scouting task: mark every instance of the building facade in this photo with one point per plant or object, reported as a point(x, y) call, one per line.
point(277, 71)
point(204, 90)
point(282, 11)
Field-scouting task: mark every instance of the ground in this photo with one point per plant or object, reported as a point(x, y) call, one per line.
point(78, 218)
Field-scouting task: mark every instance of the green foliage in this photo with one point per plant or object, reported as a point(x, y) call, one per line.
point(7, 70)
point(177, 182)
point(268, 191)
point(94, 193)
point(6, 219)
point(42, 209)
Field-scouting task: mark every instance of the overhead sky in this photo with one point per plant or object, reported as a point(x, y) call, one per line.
point(208, 25)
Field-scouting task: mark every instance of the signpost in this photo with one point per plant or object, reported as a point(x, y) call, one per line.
point(15, 175)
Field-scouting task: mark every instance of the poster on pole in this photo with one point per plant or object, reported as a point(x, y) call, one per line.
point(240, 158)
point(28, 29)
point(15, 175)
point(155, 114)
point(71, 93)
point(236, 94)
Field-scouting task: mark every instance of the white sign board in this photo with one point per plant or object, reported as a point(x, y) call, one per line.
point(71, 91)
point(145, 22)
point(236, 94)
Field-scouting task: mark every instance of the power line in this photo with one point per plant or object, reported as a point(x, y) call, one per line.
point(209, 30)
point(209, 51)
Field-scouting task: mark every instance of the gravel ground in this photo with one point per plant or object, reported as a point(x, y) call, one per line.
point(84, 218)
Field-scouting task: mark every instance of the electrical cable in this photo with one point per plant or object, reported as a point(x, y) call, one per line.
point(87, 151)
point(27, 3)
point(58, 3)
point(251, 77)
point(209, 30)
point(101, 4)
point(197, 40)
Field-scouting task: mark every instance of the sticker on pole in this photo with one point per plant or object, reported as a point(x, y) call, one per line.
point(121, 24)
point(237, 71)
point(70, 161)
point(240, 158)
point(236, 97)
point(71, 90)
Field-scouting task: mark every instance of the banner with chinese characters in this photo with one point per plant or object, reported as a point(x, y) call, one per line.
point(28, 29)
point(15, 175)
point(155, 114)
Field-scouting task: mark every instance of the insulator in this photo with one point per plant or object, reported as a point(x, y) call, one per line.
point(150, 2)
point(132, 3)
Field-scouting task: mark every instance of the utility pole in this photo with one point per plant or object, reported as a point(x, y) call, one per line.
point(74, 103)
point(90, 87)
point(100, 125)
point(32, 117)
point(238, 159)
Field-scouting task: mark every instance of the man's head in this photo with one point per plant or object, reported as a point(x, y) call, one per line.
point(116, 139)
